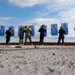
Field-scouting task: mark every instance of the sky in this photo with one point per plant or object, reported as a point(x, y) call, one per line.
point(37, 12)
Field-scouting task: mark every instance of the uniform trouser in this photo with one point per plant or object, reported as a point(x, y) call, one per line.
point(41, 40)
point(20, 41)
point(61, 38)
point(28, 37)
point(7, 40)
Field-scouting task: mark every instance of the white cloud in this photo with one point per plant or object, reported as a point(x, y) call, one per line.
point(2, 22)
point(7, 18)
point(64, 9)
point(67, 16)
point(40, 21)
point(28, 3)
point(63, 12)
point(46, 21)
